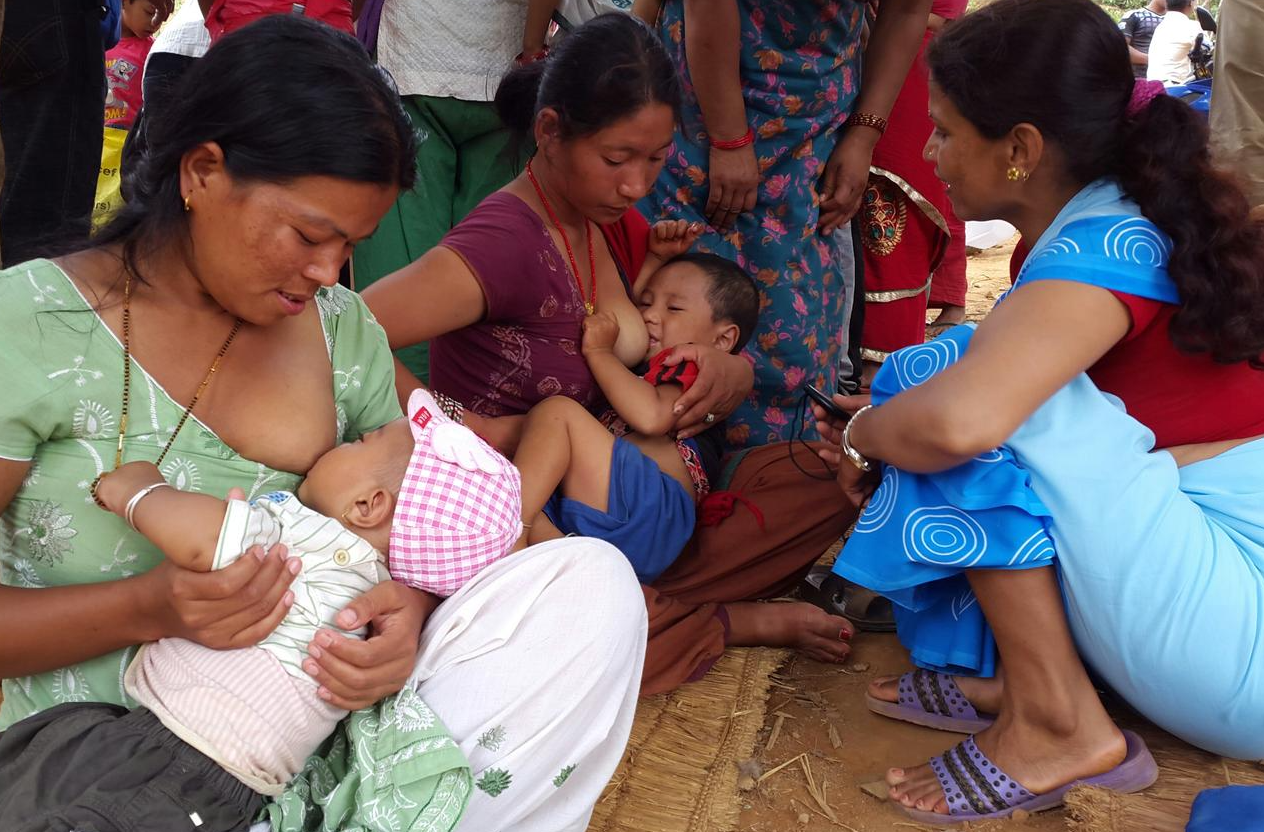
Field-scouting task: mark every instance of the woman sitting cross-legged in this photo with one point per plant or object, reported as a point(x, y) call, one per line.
point(1079, 482)
point(204, 332)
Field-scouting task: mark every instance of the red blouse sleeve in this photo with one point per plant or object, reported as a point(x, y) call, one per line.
point(629, 240)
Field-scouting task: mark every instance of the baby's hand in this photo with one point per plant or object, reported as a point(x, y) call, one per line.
point(672, 237)
point(601, 330)
point(119, 486)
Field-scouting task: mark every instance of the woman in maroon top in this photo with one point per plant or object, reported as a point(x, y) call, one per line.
point(501, 300)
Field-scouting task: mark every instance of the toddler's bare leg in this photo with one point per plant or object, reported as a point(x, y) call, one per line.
point(563, 444)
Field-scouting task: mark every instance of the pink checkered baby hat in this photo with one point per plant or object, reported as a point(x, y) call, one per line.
point(459, 507)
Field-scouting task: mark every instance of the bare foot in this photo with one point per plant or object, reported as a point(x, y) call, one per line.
point(810, 629)
point(949, 316)
point(1036, 757)
point(983, 694)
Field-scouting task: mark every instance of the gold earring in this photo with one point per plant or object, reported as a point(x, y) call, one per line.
point(188, 208)
point(1017, 174)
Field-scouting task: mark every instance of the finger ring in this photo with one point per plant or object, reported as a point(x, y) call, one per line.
point(709, 418)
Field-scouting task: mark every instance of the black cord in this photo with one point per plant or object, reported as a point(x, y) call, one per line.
point(796, 435)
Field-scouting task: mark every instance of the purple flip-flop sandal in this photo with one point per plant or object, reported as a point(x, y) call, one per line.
point(932, 700)
point(977, 789)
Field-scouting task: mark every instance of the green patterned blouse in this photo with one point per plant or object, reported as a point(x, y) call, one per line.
point(61, 371)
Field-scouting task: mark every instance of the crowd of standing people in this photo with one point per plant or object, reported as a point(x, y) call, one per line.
point(394, 397)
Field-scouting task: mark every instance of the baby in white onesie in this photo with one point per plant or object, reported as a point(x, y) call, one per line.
point(429, 493)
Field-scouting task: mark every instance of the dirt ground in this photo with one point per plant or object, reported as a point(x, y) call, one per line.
point(988, 274)
point(822, 715)
point(818, 710)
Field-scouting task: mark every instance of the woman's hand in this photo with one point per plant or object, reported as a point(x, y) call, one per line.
point(734, 185)
point(846, 174)
point(353, 674)
point(831, 429)
point(226, 609)
point(723, 381)
point(857, 485)
point(501, 432)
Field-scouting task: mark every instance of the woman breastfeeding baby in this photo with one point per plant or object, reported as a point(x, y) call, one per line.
point(505, 297)
point(202, 340)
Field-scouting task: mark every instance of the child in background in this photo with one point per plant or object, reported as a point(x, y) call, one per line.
point(124, 67)
point(623, 478)
point(422, 497)
point(126, 61)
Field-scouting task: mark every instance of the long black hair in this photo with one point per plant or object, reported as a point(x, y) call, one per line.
point(284, 98)
point(1063, 67)
point(603, 71)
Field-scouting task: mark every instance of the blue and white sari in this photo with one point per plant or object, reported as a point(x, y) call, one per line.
point(1162, 568)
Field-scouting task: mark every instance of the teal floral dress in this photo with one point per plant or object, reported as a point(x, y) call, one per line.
point(800, 70)
point(63, 379)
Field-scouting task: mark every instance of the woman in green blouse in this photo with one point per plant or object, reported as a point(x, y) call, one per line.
point(205, 330)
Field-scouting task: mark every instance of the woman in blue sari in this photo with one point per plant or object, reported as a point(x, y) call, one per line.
point(1081, 480)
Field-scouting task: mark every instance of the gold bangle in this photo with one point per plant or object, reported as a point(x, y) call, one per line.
point(868, 120)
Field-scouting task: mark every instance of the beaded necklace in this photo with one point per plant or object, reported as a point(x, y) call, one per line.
point(590, 304)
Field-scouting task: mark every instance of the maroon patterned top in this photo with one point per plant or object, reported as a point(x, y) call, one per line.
point(526, 348)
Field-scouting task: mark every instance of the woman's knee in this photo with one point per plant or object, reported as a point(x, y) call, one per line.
point(599, 581)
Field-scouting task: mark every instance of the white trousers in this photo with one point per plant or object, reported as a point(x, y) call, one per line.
point(535, 667)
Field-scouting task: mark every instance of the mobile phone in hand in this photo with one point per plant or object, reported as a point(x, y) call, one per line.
point(831, 407)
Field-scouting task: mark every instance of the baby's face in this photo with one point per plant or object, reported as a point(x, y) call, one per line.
point(675, 308)
point(345, 473)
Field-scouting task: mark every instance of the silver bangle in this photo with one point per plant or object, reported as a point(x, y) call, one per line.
point(130, 509)
point(854, 456)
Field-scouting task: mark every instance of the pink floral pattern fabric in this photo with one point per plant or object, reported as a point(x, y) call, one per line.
point(800, 68)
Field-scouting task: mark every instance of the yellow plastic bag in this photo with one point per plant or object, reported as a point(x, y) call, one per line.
point(109, 197)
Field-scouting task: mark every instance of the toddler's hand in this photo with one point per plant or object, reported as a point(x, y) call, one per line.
point(672, 237)
point(601, 330)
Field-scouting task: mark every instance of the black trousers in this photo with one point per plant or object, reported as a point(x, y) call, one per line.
point(93, 767)
point(52, 114)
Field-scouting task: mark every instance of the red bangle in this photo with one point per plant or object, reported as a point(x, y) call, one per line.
point(523, 59)
point(868, 120)
point(735, 144)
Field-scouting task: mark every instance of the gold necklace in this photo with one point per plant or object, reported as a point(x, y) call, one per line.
point(127, 385)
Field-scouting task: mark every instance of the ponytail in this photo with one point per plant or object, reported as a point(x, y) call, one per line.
point(1218, 251)
point(1000, 67)
point(516, 96)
